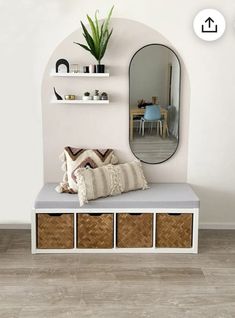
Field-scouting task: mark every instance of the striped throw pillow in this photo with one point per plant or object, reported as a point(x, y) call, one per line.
point(109, 180)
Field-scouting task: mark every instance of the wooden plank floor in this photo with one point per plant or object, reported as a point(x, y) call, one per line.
point(119, 286)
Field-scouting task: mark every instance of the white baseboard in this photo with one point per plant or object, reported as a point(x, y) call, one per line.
point(11, 226)
point(217, 226)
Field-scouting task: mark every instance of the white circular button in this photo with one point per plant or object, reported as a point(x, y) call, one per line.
point(209, 25)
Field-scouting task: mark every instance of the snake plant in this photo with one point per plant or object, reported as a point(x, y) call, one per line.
point(98, 39)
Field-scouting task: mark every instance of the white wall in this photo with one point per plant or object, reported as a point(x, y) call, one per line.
point(30, 31)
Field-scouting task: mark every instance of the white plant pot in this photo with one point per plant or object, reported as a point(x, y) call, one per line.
point(96, 97)
point(86, 97)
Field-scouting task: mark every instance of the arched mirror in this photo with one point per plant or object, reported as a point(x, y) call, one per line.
point(154, 76)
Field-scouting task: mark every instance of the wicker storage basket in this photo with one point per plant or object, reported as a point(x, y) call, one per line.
point(174, 230)
point(134, 230)
point(55, 231)
point(95, 230)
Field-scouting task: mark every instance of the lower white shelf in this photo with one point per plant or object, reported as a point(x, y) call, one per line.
point(80, 101)
point(117, 250)
point(191, 249)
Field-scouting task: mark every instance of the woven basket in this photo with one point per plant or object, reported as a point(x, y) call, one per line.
point(55, 231)
point(134, 230)
point(174, 230)
point(95, 230)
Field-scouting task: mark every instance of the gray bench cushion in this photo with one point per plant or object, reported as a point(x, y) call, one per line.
point(160, 195)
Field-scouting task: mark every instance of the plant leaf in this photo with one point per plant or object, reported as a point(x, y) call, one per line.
point(104, 47)
point(83, 46)
point(101, 31)
point(86, 48)
point(89, 40)
point(87, 35)
point(106, 25)
point(97, 24)
point(95, 36)
point(98, 40)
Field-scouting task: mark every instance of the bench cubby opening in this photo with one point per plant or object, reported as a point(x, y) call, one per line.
point(55, 230)
point(174, 230)
point(95, 230)
point(134, 230)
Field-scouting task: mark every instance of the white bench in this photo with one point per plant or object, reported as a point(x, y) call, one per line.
point(176, 198)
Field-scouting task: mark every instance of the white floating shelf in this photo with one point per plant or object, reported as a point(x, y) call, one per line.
point(79, 74)
point(79, 101)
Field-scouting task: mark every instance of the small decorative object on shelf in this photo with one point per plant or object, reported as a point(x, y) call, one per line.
point(100, 68)
point(96, 95)
point(74, 68)
point(92, 68)
point(104, 96)
point(97, 41)
point(57, 95)
point(86, 96)
point(62, 66)
point(69, 97)
point(85, 69)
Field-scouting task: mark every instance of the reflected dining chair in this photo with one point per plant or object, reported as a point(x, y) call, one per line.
point(152, 115)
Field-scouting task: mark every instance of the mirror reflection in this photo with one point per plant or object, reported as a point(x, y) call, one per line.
point(154, 103)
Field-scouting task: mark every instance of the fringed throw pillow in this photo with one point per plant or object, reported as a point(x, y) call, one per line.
point(109, 180)
point(74, 158)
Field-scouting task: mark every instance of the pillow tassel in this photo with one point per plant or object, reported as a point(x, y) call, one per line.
point(145, 183)
point(82, 189)
point(114, 159)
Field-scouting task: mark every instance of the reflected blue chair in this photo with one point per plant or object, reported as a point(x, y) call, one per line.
point(152, 115)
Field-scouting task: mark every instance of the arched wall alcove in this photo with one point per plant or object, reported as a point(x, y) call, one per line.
point(105, 126)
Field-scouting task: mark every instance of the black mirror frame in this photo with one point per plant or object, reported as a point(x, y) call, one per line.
point(162, 45)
